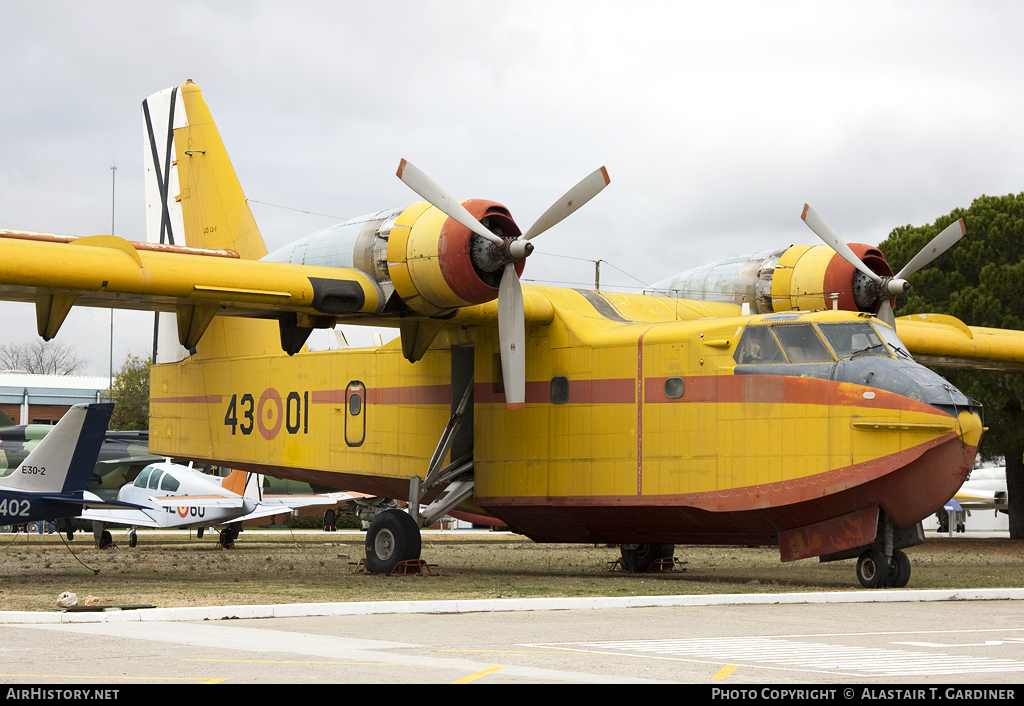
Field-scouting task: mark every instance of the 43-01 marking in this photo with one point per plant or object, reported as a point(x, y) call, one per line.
point(269, 414)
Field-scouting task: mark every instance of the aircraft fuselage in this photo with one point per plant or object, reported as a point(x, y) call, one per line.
point(641, 425)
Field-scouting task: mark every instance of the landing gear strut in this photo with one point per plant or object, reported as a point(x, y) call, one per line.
point(394, 536)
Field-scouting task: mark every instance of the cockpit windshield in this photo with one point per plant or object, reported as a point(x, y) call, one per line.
point(854, 338)
point(805, 343)
point(143, 478)
point(802, 344)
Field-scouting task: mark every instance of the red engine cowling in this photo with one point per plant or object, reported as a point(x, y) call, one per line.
point(438, 265)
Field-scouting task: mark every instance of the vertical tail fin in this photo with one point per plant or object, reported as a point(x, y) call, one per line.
point(248, 485)
point(215, 213)
point(65, 459)
point(193, 198)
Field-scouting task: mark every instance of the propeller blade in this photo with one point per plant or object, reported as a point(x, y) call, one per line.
point(574, 198)
point(940, 244)
point(512, 337)
point(824, 231)
point(439, 198)
point(885, 313)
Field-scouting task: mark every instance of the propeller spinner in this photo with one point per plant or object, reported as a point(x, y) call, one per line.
point(885, 288)
point(511, 316)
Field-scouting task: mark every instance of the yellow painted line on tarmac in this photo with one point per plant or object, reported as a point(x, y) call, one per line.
point(726, 671)
point(477, 675)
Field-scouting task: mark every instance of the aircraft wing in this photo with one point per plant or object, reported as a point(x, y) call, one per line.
point(88, 500)
point(133, 518)
point(58, 272)
point(279, 504)
point(946, 342)
point(224, 501)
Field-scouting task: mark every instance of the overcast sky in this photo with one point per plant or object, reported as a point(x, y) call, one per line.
point(716, 121)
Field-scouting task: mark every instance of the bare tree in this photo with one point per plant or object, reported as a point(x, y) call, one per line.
point(40, 357)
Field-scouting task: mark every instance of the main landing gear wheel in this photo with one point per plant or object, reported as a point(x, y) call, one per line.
point(133, 540)
point(640, 559)
point(899, 569)
point(227, 538)
point(393, 537)
point(873, 569)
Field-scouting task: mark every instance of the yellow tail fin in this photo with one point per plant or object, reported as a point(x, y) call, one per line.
point(193, 194)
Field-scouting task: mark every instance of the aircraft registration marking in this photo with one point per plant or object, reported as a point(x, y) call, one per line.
point(269, 414)
point(15, 507)
point(788, 654)
point(184, 511)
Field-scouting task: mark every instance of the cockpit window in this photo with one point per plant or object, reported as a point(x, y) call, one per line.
point(890, 337)
point(143, 477)
point(802, 344)
point(154, 480)
point(758, 347)
point(855, 338)
point(169, 483)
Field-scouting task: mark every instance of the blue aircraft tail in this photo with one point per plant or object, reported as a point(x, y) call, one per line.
point(64, 460)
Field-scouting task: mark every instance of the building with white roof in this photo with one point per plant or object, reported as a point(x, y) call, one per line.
point(43, 399)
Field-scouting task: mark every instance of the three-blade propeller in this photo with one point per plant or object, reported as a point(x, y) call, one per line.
point(511, 316)
point(886, 287)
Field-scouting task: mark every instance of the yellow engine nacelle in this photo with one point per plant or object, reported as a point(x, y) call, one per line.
point(797, 278)
point(431, 263)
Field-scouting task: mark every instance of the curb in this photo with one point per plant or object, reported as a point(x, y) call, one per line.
point(500, 605)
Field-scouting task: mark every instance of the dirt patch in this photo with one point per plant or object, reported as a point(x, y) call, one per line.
point(171, 570)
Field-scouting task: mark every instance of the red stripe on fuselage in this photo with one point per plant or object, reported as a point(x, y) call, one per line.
point(724, 389)
point(192, 399)
point(780, 389)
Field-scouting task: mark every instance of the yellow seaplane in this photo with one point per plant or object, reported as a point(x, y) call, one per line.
point(783, 413)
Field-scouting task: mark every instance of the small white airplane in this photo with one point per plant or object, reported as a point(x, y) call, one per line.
point(175, 496)
point(985, 489)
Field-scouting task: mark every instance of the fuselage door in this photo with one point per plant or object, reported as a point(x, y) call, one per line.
point(355, 413)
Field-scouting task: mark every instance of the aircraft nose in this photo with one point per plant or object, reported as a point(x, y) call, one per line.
point(969, 428)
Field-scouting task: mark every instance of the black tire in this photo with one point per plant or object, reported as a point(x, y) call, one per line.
point(199, 532)
point(106, 540)
point(7, 529)
point(872, 569)
point(393, 537)
point(133, 540)
point(330, 519)
point(641, 558)
point(899, 569)
point(227, 538)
